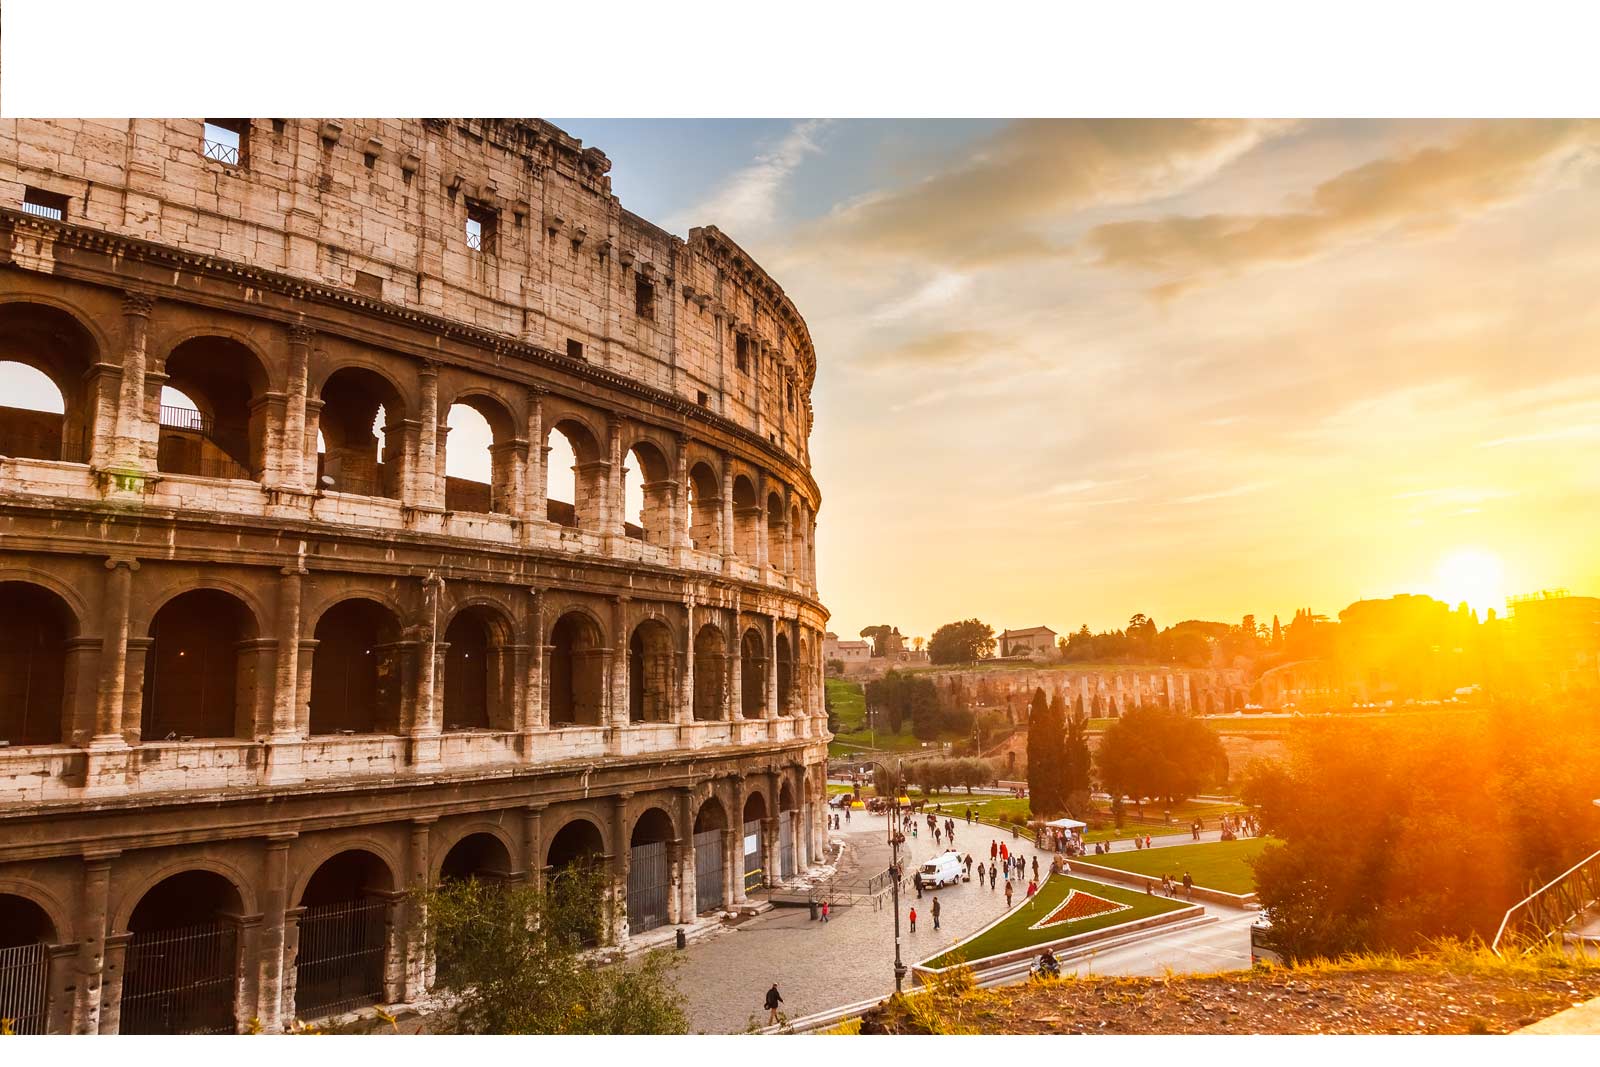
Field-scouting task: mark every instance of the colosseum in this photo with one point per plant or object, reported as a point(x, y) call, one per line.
point(270, 658)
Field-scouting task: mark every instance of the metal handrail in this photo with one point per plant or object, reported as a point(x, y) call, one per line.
point(1557, 894)
point(176, 418)
point(222, 153)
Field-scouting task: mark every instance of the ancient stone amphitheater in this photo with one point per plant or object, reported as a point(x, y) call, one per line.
point(266, 663)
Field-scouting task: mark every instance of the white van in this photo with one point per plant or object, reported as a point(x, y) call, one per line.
point(944, 869)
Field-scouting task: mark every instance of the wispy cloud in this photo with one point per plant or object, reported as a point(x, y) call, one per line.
point(748, 201)
point(1226, 494)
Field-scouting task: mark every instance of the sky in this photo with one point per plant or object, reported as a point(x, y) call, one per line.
point(1070, 370)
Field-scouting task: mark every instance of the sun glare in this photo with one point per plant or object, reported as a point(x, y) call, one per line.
point(1475, 576)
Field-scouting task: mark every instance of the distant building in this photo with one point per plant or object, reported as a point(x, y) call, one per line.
point(847, 651)
point(1559, 636)
point(1035, 641)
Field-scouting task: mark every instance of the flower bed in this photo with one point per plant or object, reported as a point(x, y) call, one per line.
point(1078, 905)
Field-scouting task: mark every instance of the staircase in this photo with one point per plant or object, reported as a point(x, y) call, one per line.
point(1568, 908)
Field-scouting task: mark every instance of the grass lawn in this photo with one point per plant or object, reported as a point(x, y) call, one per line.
point(1013, 932)
point(1223, 865)
point(849, 701)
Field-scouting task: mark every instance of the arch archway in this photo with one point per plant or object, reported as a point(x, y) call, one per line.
point(650, 871)
point(710, 856)
point(652, 677)
point(705, 508)
point(478, 683)
point(198, 682)
point(785, 665)
point(578, 846)
point(800, 552)
point(574, 501)
point(344, 942)
point(221, 431)
point(752, 674)
point(36, 632)
point(777, 541)
point(180, 972)
point(577, 671)
point(647, 495)
point(481, 456)
point(49, 418)
point(355, 670)
point(357, 405)
point(753, 841)
point(26, 933)
point(746, 520)
point(481, 856)
point(710, 666)
point(789, 830)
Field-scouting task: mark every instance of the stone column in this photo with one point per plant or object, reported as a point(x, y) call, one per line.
point(533, 493)
point(533, 844)
point(424, 480)
point(112, 968)
point(613, 511)
point(682, 514)
point(771, 711)
point(93, 912)
point(508, 482)
point(621, 859)
point(114, 653)
point(60, 987)
point(285, 726)
point(419, 875)
point(727, 513)
point(736, 860)
point(687, 902)
point(763, 550)
point(271, 1008)
point(310, 471)
point(128, 449)
point(619, 663)
point(788, 542)
point(686, 676)
point(531, 715)
point(735, 694)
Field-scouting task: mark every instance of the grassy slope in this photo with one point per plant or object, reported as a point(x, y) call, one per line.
point(850, 705)
point(1223, 865)
point(1013, 933)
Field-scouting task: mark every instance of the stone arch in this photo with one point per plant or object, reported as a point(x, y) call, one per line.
point(785, 668)
point(201, 674)
point(752, 673)
point(479, 667)
point(786, 795)
point(800, 552)
point(345, 937)
point(479, 853)
point(756, 804)
point(353, 396)
point(777, 536)
point(191, 914)
point(705, 507)
point(580, 836)
point(577, 675)
point(57, 926)
point(650, 851)
point(355, 672)
point(56, 340)
point(747, 530)
point(464, 489)
point(224, 434)
point(710, 815)
point(37, 661)
point(710, 673)
point(647, 493)
point(652, 672)
point(590, 469)
point(653, 824)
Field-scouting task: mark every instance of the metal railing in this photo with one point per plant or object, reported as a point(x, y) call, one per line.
point(44, 211)
point(180, 981)
point(1552, 907)
point(222, 153)
point(342, 955)
point(186, 419)
point(23, 972)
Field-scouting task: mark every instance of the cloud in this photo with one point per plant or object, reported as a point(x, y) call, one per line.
point(1001, 201)
point(938, 293)
point(1424, 191)
point(747, 202)
point(949, 348)
point(1226, 494)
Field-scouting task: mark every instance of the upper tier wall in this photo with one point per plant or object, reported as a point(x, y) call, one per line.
point(381, 206)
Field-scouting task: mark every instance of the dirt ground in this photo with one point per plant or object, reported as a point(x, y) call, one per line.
point(1251, 1002)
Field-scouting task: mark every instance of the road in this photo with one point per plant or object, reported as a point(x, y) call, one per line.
point(820, 966)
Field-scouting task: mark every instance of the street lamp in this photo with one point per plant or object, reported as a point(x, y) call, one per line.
point(896, 837)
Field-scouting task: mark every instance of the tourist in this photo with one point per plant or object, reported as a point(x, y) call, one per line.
point(1036, 868)
point(913, 830)
point(994, 849)
point(846, 814)
point(969, 815)
point(1188, 885)
point(935, 910)
point(969, 866)
point(774, 998)
point(1008, 892)
point(1149, 888)
point(824, 911)
point(913, 918)
point(991, 877)
point(1146, 840)
point(916, 882)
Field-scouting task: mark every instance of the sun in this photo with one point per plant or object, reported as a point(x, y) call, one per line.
point(1474, 575)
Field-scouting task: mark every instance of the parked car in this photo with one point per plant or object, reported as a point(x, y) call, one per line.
point(1261, 950)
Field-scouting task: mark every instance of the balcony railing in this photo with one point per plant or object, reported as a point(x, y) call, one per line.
point(222, 153)
point(186, 419)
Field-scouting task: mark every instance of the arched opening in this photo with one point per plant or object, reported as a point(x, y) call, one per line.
point(705, 508)
point(212, 425)
point(477, 671)
point(746, 520)
point(788, 831)
point(710, 667)
point(799, 563)
point(755, 812)
point(26, 934)
point(752, 674)
point(362, 438)
point(577, 671)
point(710, 825)
point(480, 467)
point(776, 538)
point(578, 846)
point(482, 856)
point(197, 680)
point(785, 667)
point(45, 356)
point(575, 476)
point(651, 677)
point(180, 972)
point(36, 631)
point(647, 495)
point(649, 871)
point(355, 670)
point(343, 954)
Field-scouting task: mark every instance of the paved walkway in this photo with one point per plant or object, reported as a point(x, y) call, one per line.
point(819, 966)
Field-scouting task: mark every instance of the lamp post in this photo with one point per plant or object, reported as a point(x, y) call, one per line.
point(896, 836)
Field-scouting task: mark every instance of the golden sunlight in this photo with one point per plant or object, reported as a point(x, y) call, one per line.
point(1474, 575)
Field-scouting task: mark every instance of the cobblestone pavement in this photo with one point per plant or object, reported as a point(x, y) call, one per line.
point(819, 966)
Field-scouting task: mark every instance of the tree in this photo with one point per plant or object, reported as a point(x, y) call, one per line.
point(1159, 752)
point(827, 705)
point(1046, 751)
point(961, 642)
point(1075, 763)
point(879, 636)
point(917, 643)
point(513, 954)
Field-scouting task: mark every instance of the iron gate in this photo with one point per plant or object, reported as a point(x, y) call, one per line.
point(754, 876)
point(649, 883)
point(24, 970)
point(180, 981)
point(708, 871)
point(786, 864)
point(340, 963)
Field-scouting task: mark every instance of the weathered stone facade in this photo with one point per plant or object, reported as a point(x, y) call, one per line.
point(266, 667)
point(1102, 691)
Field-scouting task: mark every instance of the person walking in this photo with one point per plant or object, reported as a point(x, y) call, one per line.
point(991, 877)
point(1008, 892)
point(1146, 840)
point(1036, 868)
point(846, 814)
point(994, 849)
point(916, 883)
point(774, 998)
point(1188, 885)
point(824, 911)
point(1033, 887)
point(969, 866)
point(913, 918)
point(935, 910)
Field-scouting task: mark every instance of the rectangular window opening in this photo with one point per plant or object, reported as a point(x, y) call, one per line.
point(741, 353)
point(225, 140)
point(574, 349)
point(46, 205)
point(703, 398)
point(644, 298)
point(480, 227)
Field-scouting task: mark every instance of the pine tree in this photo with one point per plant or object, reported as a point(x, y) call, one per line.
point(1075, 775)
point(1039, 755)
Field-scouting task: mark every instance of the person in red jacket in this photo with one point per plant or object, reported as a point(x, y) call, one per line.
point(913, 919)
